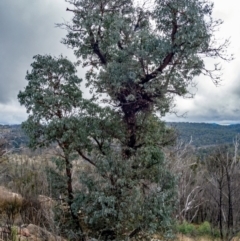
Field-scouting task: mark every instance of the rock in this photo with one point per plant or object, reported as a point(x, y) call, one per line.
point(24, 232)
point(31, 238)
point(6, 194)
point(22, 238)
point(4, 230)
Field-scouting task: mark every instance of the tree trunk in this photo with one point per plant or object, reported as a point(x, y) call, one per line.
point(230, 206)
point(75, 220)
point(220, 210)
point(130, 120)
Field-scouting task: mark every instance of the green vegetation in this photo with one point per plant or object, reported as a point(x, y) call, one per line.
point(186, 228)
point(204, 229)
point(200, 186)
point(203, 134)
point(139, 58)
point(113, 195)
point(14, 233)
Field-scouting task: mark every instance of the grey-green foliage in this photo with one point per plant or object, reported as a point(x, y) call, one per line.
point(52, 86)
point(140, 56)
point(57, 111)
point(144, 53)
point(121, 198)
point(123, 194)
point(52, 94)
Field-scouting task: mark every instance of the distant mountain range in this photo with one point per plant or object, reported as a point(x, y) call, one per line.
point(202, 134)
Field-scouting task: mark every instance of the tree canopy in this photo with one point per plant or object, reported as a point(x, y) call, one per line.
point(143, 53)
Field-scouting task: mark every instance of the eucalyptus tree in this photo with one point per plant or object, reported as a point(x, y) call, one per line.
point(139, 56)
point(51, 95)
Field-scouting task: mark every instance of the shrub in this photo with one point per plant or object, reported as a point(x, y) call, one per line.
point(215, 233)
point(204, 229)
point(186, 228)
point(9, 209)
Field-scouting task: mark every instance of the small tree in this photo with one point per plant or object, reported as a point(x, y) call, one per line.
point(51, 96)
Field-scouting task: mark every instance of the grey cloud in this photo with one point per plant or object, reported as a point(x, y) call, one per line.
point(234, 89)
point(12, 113)
point(26, 29)
point(211, 104)
point(218, 104)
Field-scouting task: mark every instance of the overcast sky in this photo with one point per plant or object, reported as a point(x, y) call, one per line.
point(27, 28)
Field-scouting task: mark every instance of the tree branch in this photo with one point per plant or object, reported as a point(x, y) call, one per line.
point(167, 60)
point(86, 158)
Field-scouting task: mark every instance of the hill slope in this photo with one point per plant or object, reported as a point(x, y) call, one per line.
point(14, 135)
point(204, 134)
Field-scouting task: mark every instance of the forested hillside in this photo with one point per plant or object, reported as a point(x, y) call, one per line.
point(204, 134)
point(14, 136)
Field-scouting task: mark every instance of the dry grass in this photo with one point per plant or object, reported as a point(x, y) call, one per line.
point(182, 237)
